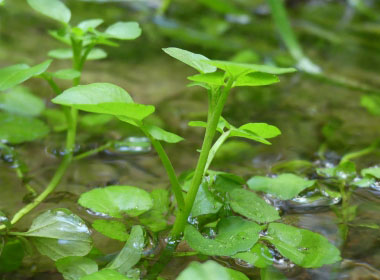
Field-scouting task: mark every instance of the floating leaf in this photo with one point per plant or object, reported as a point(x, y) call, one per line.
point(90, 24)
point(59, 233)
point(131, 253)
point(113, 229)
point(371, 172)
point(11, 255)
point(284, 186)
point(18, 129)
point(124, 30)
point(103, 98)
point(303, 247)
point(255, 80)
point(205, 202)
point(20, 101)
point(105, 274)
point(194, 60)
point(66, 74)
point(16, 74)
point(54, 9)
point(252, 206)
point(210, 270)
point(94, 54)
point(234, 235)
point(117, 200)
point(74, 268)
point(238, 69)
point(161, 134)
point(258, 256)
point(262, 130)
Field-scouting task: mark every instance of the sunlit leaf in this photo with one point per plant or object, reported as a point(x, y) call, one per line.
point(54, 9)
point(194, 60)
point(131, 253)
point(117, 200)
point(105, 274)
point(90, 24)
point(252, 206)
point(21, 101)
point(214, 78)
point(94, 54)
point(59, 233)
point(112, 229)
point(18, 129)
point(16, 74)
point(284, 186)
point(236, 132)
point(303, 247)
point(161, 134)
point(262, 130)
point(74, 268)
point(234, 235)
point(124, 30)
point(66, 74)
point(371, 172)
point(256, 79)
point(258, 256)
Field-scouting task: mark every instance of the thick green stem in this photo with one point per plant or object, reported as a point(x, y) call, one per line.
point(212, 124)
point(176, 188)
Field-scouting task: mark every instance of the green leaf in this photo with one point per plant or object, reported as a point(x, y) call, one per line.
point(222, 124)
point(214, 78)
point(284, 186)
point(90, 24)
point(66, 74)
point(161, 134)
point(11, 255)
point(16, 74)
point(256, 79)
point(18, 129)
point(252, 206)
point(59, 233)
point(90, 120)
point(262, 130)
point(117, 200)
point(234, 235)
point(94, 54)
point(258, 256)
point(371, 103)
point(344, 171)
point(235, 69)
point(236, 132)
point(371, 172)
point(205, 202)
point(105, 274)
point(194, 60)
point(54, 9)
point(210, 270)
point(74, 268)
point(124, 30)
point(131, 253)
point(113, 229)
point(226, 182)
point(303, 247)
point(103, 98)
point(271, 273)
point(21, 101)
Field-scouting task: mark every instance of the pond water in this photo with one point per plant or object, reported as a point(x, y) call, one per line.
point(303, 107)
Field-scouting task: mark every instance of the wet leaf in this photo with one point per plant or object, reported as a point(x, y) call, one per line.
point(21, 101)
point(11, 256)
point(234, 235)
point(252, 206)
point(371, 172)
point(74, 268)
point(161, 134)
point(105, 274)
point(235, 69)
point(94, 54)
point(209, 270)
point(284, 186)
point(256, 79)
point(131, 253)
point(117, 200)
point(303, 247)
point(194, 60)
point(113, 229)
point(124, 30)
point(54, 9)
point(90, 24)
point(59, 233)
point(16, 74)
point(103, 98)
point(344, 171)
point(205, 202)
point(18, 129)
point(66, 74)
point(258, 256)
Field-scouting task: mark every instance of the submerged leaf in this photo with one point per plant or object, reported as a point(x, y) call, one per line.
point(18, 129)
point(124, 30)
point(117, 200)
point(303, 247)
point(284, 186)
point(59, 233)
point(252, 206)
point(234, 235)
point(74, 268)
point(54, 9)
point(194, 60)
point(113, 229)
